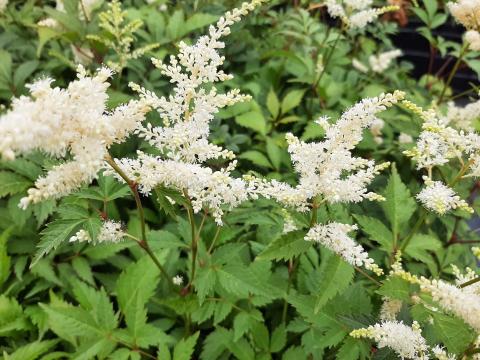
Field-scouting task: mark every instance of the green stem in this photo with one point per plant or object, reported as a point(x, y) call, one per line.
point(463, 51)
point(327, 60)
point(415, 228)
point(141, 214)
point(194, 244)
point(470, 282)
point(364, 273)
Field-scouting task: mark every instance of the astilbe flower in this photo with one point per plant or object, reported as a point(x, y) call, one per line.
point(406, 341)
point(110, 232)
point(334, 236)
point(390, 308)
point(186, 115)
point(71, 124)
point(458, 301)
point(3, 5)
point(328, 169)
point(466, 12)
point(440, 198)
point(440, 353)
point(356, 13)
point(381, 62)
point(472, 37)
point(462, 117)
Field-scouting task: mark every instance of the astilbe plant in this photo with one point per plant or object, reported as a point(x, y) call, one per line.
point(180, 166)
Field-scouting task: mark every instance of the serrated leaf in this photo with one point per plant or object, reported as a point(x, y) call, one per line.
point(185, 347)
point(453, 332)
point(215, 344)
point(335, 277)
point(253, 120)
point(353, 349)
point(135, 286)
point(278, 339)
point(421, 245)
point(377, 231)
point(285, 247)
point(274, 153)
point(396, 288)
point(399, 205)
point(55, 233)
point(32, 351)
point(11, 183)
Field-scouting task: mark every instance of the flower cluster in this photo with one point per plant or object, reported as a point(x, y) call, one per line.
point(328, 169)
point(356, 14)
point(462, 117)
point(390, 308)
point(334, 236)
point(110, 232)
point(438, 197)
point(183, 139)
point(71, 123)
point(437, 144)
point(406, 341)
point(381, 62)
point(3, 5)
point(467, 13)
point(461, 302)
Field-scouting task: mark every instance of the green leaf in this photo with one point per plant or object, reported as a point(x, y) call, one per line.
point(5, 260)
point(377, 231)
point(273, 105)
point(23, 72)
point(176, 24)
point(32, 351)
point(215, 344)
point(285, 247)
point(279, 339)
point(352, 349)
point(197, 21)
point(256, 157)
point(421, 245)
point(253, 120)
point(55, 233)
point(135, 286)
point(453, 332)
point(83, 270)
point(274, 153)
point(396, 288)
point(5, 67)
point(185, 347)
point(399, 205)
point(11, 183)
point(334, 278)
point(292, 100)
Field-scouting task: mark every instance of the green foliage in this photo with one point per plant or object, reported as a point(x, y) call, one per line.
point(248, 289)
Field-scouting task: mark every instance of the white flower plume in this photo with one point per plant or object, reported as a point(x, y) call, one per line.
point(186, 115)
point(406, 341)
point(328, 169)
point(334, 236)
point(71, 123)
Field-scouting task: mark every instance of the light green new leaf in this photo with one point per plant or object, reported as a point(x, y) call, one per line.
point(253, 120)
point(335, 277)
point(285, 247)
point(135, 286)
point(292, 100)
point(399, 205)
point(273, 105)
point(11, 183)
point(184, 348)
point(256, 157)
